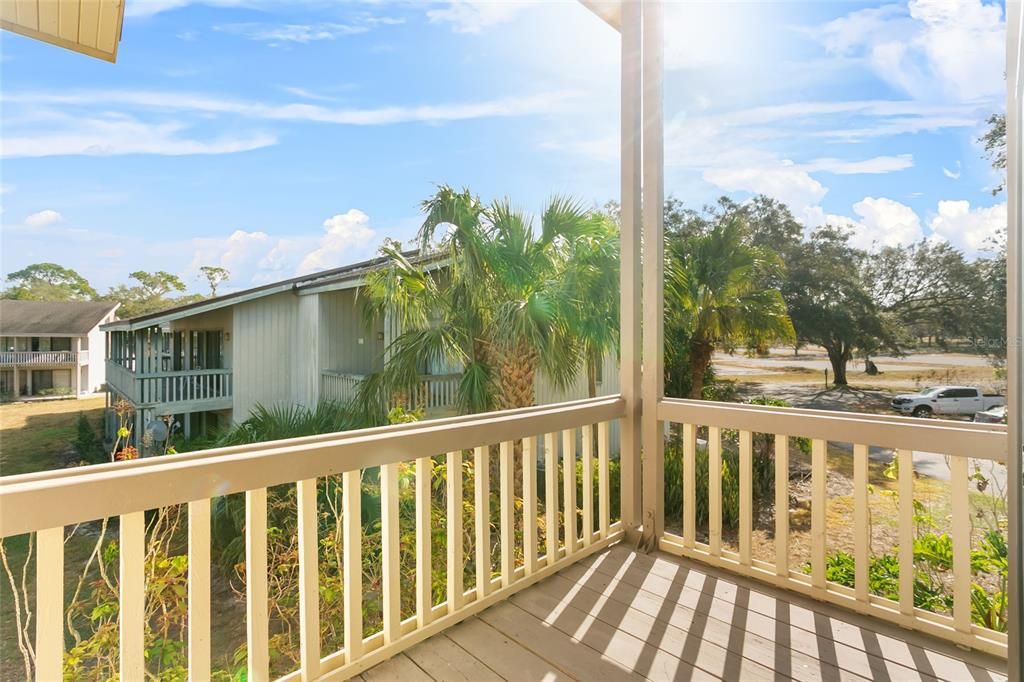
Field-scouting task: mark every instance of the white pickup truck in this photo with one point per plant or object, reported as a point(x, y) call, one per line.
point(952, 400)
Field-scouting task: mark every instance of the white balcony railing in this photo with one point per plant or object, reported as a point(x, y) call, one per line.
point(43, 357)
point(46, 504)
point(337, 386)
point(434, 391)
point(964, 445)
point(197, 385)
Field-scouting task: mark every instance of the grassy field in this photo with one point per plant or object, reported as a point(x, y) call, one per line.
point(38, 436)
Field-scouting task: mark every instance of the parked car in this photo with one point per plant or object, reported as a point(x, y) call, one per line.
point(951, 400)
point(997, 415)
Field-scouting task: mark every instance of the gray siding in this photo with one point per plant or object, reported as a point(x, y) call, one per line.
point(343, 330)
point(265, 361)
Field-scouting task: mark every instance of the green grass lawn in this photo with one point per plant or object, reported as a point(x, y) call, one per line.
point(39, 436)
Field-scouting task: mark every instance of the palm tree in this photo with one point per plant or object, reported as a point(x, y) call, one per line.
point(592, 278)
point(493, 297)
point(714, 288)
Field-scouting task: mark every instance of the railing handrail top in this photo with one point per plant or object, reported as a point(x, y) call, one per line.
point(175, 373)
point(184, 373)
point(31, 502)
point(339, 373)
point(952, 438)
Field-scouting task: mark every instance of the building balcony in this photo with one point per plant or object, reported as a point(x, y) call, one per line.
point(435, 393)
point(539, 590)
point(45, 358)
point(173, 392)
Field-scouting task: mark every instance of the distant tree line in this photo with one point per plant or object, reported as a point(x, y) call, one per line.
point(149, 292)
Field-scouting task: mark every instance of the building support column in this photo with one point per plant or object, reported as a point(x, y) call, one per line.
point(308, 390)
point(630, 269)
point(76, 372)
point(653, 276)
point(17, 383)
point(1015, 331)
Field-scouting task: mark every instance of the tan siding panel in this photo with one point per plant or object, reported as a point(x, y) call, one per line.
point(28, 14)
point(109, 25)
point(49, 16)
point(68, 20)
point(89, 23)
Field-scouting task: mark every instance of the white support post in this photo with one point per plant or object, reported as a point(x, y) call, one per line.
point(629, 271)
point(1015, 332)
point(653, 281)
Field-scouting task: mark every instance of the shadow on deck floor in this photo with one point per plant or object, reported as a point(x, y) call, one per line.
point(620, 615)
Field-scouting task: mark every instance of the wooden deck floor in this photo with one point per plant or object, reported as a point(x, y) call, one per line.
point(620, 615)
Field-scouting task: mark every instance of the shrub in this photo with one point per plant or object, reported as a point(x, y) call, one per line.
point(762, 471)
point(87, 443)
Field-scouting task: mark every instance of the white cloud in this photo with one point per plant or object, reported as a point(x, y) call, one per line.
point(277, 34)
point(873, 166)
point(44, 218)
point(967, 228)
point(6, 188)
point(785, 182)
point(953, 175)
point(256, 257)
point(120, 134)
point(472, 16)
point(345, 232)
point(163, 101)
point(146, 8)
point(885, 222)
point(929, 48)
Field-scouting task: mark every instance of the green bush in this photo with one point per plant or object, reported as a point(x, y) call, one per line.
point(933, 565)
point(87, 443)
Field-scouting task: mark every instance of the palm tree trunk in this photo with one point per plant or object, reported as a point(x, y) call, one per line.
point(592, 377)
point(700, 358)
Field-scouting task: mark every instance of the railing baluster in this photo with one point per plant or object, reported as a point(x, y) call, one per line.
point(781, 505)
point(352, 545)
point(132, 613)
point(746, 495)
point(569, 489)
point(482, 508)
point(257, 617)
point(689, 484)
point(199, 589)
point(391, 548)
point(715, 490)
point(603, 484)
point(961, 529)
point(861, 529)
point(905, 459)
point(551, 496)
point(819, 473)
point(50, 604)
point(424, 599)
point(507, 517)
point(588, 484)
point(309, 579)
point(529, 505)
point(453, 470)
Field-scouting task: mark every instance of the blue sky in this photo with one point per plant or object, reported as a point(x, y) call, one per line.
point(281, 137)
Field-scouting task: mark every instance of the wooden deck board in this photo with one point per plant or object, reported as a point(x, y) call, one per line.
point(619, 615)
point(443, 659)
point(502, 654)
point(396, 669)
